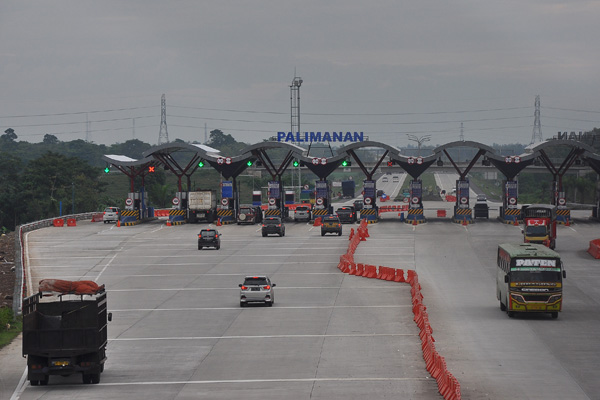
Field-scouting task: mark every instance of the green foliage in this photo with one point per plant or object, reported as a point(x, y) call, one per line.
point(10, 327)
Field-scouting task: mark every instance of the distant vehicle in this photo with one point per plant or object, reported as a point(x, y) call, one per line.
point(348, 188)
point(529, 279)
point(111, 214)
point(209, 238)
point(346, 214)
point(331, 224)
point(379, 192)
point(257, 289)
point(540, 224)
point(481, 208)
point(395, 179)
point(273, 225)
point(384, 179)
point(358, 205)
point(302, 213)
point(202, 205)
point(248, 215)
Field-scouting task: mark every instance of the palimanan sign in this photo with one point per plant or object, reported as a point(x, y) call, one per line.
point(320, 137)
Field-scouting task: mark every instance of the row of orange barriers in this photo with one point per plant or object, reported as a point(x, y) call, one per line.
point(403, 207)
point(59, 222)
point(448, 385)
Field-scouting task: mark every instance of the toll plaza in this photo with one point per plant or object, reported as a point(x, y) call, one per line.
point(575, 156)
point(136, 208)
point(463, 213)
point(370, 210)
point(414, 166)
point(593, 160)
point(209, 204)
point(510, 166)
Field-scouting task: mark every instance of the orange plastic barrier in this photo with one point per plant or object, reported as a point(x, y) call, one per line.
point(317, 221)
point(58, 222)
point(450, 198)
point(99, 217)
point(71, 222)
point(594, 249)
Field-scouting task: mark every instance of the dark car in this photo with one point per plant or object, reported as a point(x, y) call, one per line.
point(209, 238)
point(331, 224)
point(346, 214)
point(273, 226)
point(481, 208)
point(358, 205)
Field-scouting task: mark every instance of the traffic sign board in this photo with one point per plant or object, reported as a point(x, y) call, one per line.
point(129, 201)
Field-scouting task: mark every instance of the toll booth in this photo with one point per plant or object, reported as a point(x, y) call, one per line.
point(510, 211)
point(322, 199)
point(462, 211)
point(415, 209)
point(563, 213)
point(274, 202)
point(225, 212)
point(177, 214)
point(135, 209)
point(369, 210)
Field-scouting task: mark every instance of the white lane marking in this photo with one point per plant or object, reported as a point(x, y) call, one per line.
point(20, 387)
point(239, 309)
point(104, 269)
point(142, 339)
point(390, 287)
point(204, 254)
point(246, 381)
point(194, 263)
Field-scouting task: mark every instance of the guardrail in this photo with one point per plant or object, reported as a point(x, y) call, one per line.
point(21, 287)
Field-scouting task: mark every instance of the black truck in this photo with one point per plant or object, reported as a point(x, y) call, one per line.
point(64, 335)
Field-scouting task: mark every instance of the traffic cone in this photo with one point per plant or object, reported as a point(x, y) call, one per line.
point(516, 222)
point(414, 222)
point(168, 222)
point(568, 222)
point(118, 223)
point(218, 221)
point(464, 222)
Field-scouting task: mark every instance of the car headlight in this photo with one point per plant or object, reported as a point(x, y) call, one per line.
point(517, 297)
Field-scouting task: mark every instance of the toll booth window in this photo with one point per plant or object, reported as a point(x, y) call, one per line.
point(255, 281)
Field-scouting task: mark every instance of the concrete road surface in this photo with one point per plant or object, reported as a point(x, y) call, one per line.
point(178, 331)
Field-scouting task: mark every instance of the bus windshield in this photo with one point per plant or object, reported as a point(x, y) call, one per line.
point(536, 230)
point(535, 276)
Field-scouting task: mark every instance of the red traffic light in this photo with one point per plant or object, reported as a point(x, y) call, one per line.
point(151, 169)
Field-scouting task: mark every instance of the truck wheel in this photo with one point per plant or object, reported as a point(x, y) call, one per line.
point(199, 247)
point(340, 233)
point(511, 314)
point(218, 247)
point(264, 234)
point(86, 378)
point(322, 233)
point(44, 382)
point(502, 307)
point(554, 315)
point(34, 382)
point(95, 378)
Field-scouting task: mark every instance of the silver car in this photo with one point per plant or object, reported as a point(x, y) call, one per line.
point(111, 214)
point(257, 289)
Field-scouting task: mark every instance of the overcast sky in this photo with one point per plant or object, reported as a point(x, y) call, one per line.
point(385, 68)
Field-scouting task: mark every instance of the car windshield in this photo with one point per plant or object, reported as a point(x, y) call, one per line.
point(208, 234)
point(301, 208)
point(246, 210)
point(331, 219)
point(261, 281)
point(272, 221)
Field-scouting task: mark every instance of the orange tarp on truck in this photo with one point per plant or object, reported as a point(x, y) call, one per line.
point(69, 287)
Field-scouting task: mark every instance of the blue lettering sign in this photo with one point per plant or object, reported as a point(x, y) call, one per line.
point(299, 137)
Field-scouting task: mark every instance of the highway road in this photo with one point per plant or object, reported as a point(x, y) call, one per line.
point(178, 331)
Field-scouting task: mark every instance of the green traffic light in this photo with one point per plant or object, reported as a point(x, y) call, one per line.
point(107, 170)
point(249, 163)
point(201, 164)
point(296, 163)
point(344, 163)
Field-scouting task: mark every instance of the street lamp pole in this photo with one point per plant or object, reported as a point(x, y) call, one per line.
point(419, 141)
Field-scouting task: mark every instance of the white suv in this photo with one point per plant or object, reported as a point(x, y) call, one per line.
point(111, 214)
